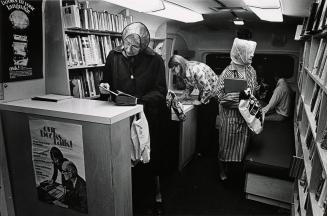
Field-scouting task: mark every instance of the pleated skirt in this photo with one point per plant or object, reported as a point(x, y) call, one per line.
point(233, 135)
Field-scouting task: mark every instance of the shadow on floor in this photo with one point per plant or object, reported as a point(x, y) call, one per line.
point(197, 190)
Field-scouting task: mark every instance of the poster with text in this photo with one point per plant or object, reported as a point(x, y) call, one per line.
point(58, 161)
point(21, 39)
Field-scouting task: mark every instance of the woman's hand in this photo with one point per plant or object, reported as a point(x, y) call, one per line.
point(230, 100)
point(196, 102)
point(50, 181)
point(104, 88)
point(58, 203)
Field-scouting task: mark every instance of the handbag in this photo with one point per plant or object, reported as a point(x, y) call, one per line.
point(251, 111)
point(175, 105)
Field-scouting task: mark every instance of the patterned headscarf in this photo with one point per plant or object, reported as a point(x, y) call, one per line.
point(139, 29)
point(242, 50)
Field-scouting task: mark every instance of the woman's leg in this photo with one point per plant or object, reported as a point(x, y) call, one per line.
point(222, 170)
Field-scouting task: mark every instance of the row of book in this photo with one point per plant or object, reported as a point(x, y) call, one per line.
point(319, 66)
point(89, 49)
point(85, 84)
point(82, 16)
point(317, 18)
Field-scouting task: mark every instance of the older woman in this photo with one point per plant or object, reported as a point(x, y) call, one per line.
point(137, 70)
point(234, 132)
point(195, 75)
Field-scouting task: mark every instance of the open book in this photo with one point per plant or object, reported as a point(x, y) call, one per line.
point(122, 98)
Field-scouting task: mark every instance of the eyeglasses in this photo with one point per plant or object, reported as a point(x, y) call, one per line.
point(66, 171)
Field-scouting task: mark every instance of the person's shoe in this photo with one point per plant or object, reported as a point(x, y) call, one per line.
point(158, 208)
point(222, 176)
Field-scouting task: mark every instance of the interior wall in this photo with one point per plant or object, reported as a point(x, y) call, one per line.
point(221, 40)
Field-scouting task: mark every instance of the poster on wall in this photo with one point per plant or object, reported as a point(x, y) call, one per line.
point(21, 39)
point(58, 161)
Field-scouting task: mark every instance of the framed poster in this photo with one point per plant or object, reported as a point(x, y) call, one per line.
point(21, 27)
point(58, 162)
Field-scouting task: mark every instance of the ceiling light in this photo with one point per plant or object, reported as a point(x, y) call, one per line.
point(269, 10)
point(271, 15)
point(263, 3)
point(177, 12)
point(238, 21)
point(140, 5)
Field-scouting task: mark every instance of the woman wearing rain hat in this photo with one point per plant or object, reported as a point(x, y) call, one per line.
point(233, 132)
point(136, 69)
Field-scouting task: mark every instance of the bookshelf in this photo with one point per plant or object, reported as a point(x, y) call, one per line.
point(79, 41)
point(89, 36)
point(311, 119)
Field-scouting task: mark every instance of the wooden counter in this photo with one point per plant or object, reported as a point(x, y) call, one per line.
point(106, 143)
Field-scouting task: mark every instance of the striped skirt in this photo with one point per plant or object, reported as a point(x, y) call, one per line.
point(233, 135)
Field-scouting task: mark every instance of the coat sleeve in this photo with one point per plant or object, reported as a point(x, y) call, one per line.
point(107, 74)
point(158, 93)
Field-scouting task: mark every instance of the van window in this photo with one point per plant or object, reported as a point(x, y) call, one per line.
point(264, 64)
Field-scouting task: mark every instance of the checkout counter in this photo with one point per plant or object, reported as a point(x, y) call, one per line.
point(107, 159)
point(106, 143)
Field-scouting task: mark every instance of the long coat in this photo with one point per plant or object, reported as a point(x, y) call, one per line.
point(143, 76)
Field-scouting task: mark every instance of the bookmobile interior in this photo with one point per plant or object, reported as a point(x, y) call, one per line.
point(284, 170)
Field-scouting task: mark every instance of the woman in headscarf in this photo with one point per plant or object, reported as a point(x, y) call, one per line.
point(200, 76)
point(233, 131)
point(136, 69)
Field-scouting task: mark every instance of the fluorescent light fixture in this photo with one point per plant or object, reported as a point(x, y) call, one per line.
point(140, 5)
point(177, 12)
point(238, 21)
point(269, 10)
point(263, 3)
point(271, 15)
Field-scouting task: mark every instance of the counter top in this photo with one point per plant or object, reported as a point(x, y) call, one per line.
point(75, 109)
point(186, 109)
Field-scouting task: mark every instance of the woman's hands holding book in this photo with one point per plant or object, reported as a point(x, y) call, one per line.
point(230, 100)
point(104, 88)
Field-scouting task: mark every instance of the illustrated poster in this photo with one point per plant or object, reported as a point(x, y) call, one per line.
point(58, 161)
point(21, 39)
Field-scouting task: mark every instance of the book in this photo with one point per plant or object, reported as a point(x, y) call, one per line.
point(322, 64)
point(298, 32)
point(319, 55)
point(297, 166)
point(71, 16)
point(320, 185)
point(234, 85)
point(318, 14)
point(323, 194)
point(323, 143)
point(323, 16)
point(310, 22)
point(308, 138)
point(52, 98)
point(314, 97)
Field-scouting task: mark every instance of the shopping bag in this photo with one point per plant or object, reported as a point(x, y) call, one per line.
point(251, 111)
point(140, 136)
point(175, 105)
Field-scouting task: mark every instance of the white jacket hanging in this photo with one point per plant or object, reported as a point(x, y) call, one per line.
point(140, 136)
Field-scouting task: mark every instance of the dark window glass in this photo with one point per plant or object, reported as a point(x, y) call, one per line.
point(264, 64)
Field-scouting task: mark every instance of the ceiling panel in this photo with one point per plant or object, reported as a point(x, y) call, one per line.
point(214, 9)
